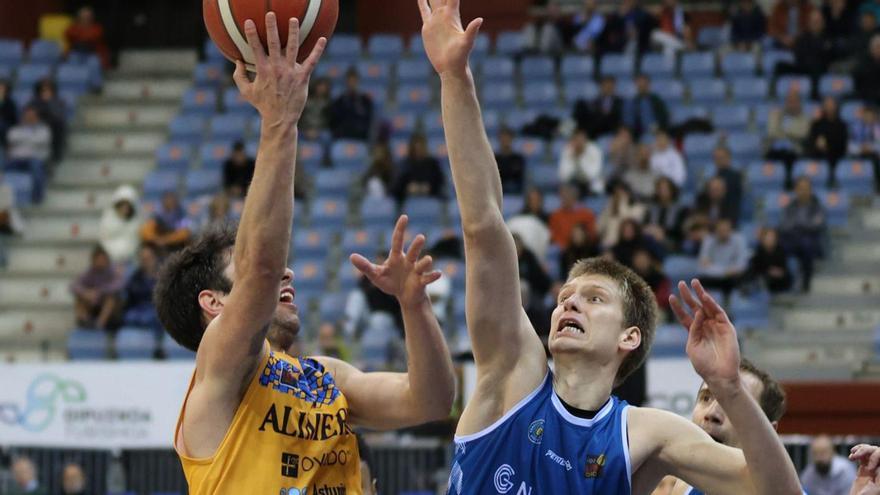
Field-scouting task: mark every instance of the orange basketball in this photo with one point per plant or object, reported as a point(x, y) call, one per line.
point(225, 19)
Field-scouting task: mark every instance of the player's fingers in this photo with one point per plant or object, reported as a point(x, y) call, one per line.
point(699, 316)
point(683, 317)
point(430, 278)
point(473, 29)
point(292, 48)
point(240, 76)
point(272, 38)
point(688, 297)
point(415, 249)
point(425, 10)
point(710, 306)
point(424, 265)
point(874, 460)
point(315, 57)
point(398, 234)
point(253, 39)
point(363, 265)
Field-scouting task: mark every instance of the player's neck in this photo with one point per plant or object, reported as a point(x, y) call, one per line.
point(582, 384)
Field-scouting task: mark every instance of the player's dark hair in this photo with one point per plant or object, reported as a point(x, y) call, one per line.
point(184, 275)
point(639, 307)
point(772, 398)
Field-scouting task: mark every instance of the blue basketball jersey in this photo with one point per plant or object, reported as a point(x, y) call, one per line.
point(538, 447)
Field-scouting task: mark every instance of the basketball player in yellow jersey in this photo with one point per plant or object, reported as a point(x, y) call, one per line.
point(256, 421)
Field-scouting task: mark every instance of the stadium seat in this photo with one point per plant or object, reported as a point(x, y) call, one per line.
point(517, 119)
point(576, 67)
point(773, 205)
point(731, 117)
point(29, 74)
point(763, 177)
point(817, 171)
point(329, 213)
point(544, 178)
point(482, 47)
point(212, 52)
point(500, 95)
point(837, 206)
point(699, 147)
point(349, 155)
point(682, 113)
point(657, 65)
point(374, 71)
point(745, 145)
point(710, 37)
point(835, 85)
point(851, 111)
point(681, 268)
point(414, 97)
point(670, 90)
point(531, 148)
point(800, 84)
point(749, 89)
point(580, 90)
point(204, 181)
point(423, 211)
point(311, 243)
point(87, 344)
point(200, 101)
point(415, 47)
point(414, 71)
point(738, 64)
point(698, 64)
point(44, 52)
point(540, 93)
point(856, 177)
point(377, 344)
point(750, 313)
point(310, 275)
point(708, 91)
point(670, 341)
point(497, 68)
point(174, 156)
point(378, 213)
point(210, 74)
point(378, 93)
point(11, 52)
point(231, 127)
point(364, 241)
point(454, 270)
point(771, 58)
point(537, 68)
point(213, 154)
point(73, 78)
point(157, 183)
point(344, 46)
point(388, 46)
point(626, 88)
point(333, 69)
point(333, 183)
point(509, 43)
point(513, 205)
point(617, 65)
point(234, 102)
point(189, 128)
point(135, 343)
point(403, 123)
point(22, 184)
point(432, 124)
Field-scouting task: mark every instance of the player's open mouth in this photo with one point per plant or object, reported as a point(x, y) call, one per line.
point(287, 296)
point(570, 326)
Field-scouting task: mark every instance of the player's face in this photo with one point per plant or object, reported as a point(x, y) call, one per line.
point(709, 416)
point(286, 317)
point(588, 318)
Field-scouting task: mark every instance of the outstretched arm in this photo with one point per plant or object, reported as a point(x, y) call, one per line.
point(426, 391)
point(502, 338)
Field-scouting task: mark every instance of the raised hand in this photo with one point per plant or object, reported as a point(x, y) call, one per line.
point(868, 479)
point(281, 86)
point(403, 275)
point(447, 43)
point(712, 345)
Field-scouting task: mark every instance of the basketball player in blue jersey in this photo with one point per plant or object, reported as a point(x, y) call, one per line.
point(528, 430)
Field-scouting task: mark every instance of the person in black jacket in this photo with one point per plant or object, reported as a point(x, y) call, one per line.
point(511, 164)
point(867, 73)
point(646, 111)
point(604, 114)
point(715, 202)
point(803, 229)
point(238, 171)
point(8, 110)
point(769, 263)
point(581, 246)
point(420, 174)
point(534, 281)
point(829, 136)
point(812, 53)
point(351, 114)
point(748, 25)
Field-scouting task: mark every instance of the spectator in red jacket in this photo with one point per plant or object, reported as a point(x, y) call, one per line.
point(86, 36)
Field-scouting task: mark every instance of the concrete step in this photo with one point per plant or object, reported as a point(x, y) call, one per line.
point(871, 219)
point(837, 284)
point(136, 91)
point(60, 200)
point(73, 229)
point(860, 252)
point(157, 61)
point(69, 260)
point(812, 320)
point(35, 355)
point(31, 327)
point(34, 291)
point(110, 173)
point(127, 117)
point(115, 143)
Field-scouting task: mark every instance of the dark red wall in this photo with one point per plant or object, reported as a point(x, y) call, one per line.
point(20, 18)
point(402, 16)
point(833, 408)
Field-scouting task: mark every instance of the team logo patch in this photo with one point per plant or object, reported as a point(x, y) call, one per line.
point(536, 431)
point(595, 463)
point(504, 478)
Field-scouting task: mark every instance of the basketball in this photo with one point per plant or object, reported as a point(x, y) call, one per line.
point(225, 20)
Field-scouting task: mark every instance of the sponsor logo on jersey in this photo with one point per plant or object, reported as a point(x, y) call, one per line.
point(558, 459)
point(306, 425)
point(289, 465)
point(595, 463)
point(327, 459)
point(295, 491)
point(504, 478)
point(318, 490)
point(536, 431)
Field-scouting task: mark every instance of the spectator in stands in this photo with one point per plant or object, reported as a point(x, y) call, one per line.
point(623, 153)
point(840, 20)
point(581, 164)
point(351, 114)
point(769, 263)
point(860, 40)
point(30, 147)
point(627, 30)
point(724, 258)
point(747, 25)
point(867, 74)
point(588, 25)
point(439, 294)
point(314, 120)
point(420, 174)
point(569, 214)
point(829, 473)
point(534, 205)
point(666, 160)
point(532, 272)
point(86, 37)
point(787, 130)
point(715, 203)
point(10, 218)
point(787, 20)
point(580, 246)
point(531, 224)
point(24, 478)
point(621, 206)
point(238, 171)
point(136, 302)
point(865, 139)
point(169, 229)
point(53, 111)
point(544, 33)
point(631, 239)
point(732, 177)
point(696, 229)
point(604, 114)
point(673, 34)
point(872, 6)
point(829, 137)
point(812, 53)
point(511, 164)
point(330, 344)
point(95, 292)
point(368, 300)
point(651, 270)
point(642, 177)
point(378, 180)
point(803, 229)
point(218, 213)
point(8, 110)
point(119, 231)
point(666, 215)
point(645, 112)
point(73, 480)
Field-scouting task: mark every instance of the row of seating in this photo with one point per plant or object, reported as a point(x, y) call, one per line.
point(40, 51)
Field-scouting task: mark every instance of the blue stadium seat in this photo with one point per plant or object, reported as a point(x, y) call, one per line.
point(412, 71)
point(738, 64)
point(744, 144)
point(856, 177)
point(175, 156)
point(310, 154)
point(432, 123)
point(513, 205)
point(771, 58)
point(11, 52)
point(378, 212)
point(710, 37)
point(22, 184)
point(87, 344)
point(423, 211)
point(516, 119)
point(850, 111)
point(482, 47)
point(415, 46)
point(378, 93)
point(454, 270)
point(6, 72)
point(362, 241)
point(73, 78)
point(543, 94)
point(670, 90)
point(657, 65)
point(377, 343)
point(545, 178)
point(750, 313)
point(310, 275)
point(374, 71)
point(698, 64)
point(200, 101)
point(311, 243)
point(349, 155)
point(205, 181)
point(344, 46)
point(210, 74)
point(749, 89)
point(403, 123)
point(817, 171)
point(681, 268)
point(731, 117)
point(835, 85)
point(798, 83)
point(44, 52)
point(500, 95)
point(333, 183)
point(509, 42)
point(537, 68)
point(531, 148)
point(708, 90)
point(329, 213)
point(233, 102)
point(617, 65)
point(189, 129)
point(700, 146)
point(388, 46)
point(576, 67)
point(158, 182)
point(491, 121)
point(580, 90)
point(414, 96)
point(135, 343)
point(213, 154)
point(763, 177)
point(437, 147)
point(333, 69)
point(212, 52)
point(670, 341)
point(497, 68)
point(837, 205)
point(774, 204)
point(31, 73)
point(682, 113)
point(231, 127)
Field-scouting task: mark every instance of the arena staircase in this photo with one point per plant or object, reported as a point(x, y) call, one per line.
point(112, 141)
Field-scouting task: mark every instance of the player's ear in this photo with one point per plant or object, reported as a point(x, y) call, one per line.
point(211, 302)
point(630, 339)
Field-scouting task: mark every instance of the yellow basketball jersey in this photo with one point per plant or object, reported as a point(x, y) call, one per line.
point(289, 436)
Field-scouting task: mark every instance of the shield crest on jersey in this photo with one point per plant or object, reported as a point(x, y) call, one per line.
point(595, 463)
